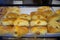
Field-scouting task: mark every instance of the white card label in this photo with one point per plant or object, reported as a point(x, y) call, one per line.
point(17, 2)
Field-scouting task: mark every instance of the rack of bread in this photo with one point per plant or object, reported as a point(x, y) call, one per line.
point(39, 22)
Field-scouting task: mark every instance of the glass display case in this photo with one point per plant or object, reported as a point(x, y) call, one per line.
point(30, 2)
point(29, 16)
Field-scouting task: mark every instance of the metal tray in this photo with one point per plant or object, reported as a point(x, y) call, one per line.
point(30, 9)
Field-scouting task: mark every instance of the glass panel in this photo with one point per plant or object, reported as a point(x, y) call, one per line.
point(30, 2)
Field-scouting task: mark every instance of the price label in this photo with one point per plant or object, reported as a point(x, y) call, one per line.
point(17, 2)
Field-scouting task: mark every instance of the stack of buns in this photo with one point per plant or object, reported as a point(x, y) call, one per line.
point(38, 22)
point(12, 21)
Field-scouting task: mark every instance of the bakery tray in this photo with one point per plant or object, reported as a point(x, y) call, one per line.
point(32, 35)
point(30, 9)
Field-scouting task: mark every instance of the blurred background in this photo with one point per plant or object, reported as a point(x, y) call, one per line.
point(29, 1)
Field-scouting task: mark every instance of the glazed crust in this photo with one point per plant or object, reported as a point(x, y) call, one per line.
point(13, 10)
point(12, 15)
point(54, 22)
point(58, 11)
point(6, 30)
point(53, 30)
point(21, 22)
point(20, 31)
point(38, 22)
point(38, 30)
point(25, 16)
point(45, 11)
point(7, 21)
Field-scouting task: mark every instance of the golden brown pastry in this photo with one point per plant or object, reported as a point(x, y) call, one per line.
point(39, 30)
point(38, 22)
point(12, 15)
point(43, 8)
point(2, 31)
point(58, 11)
point(54, 21)
point(53, 30)
point(21, 22)
point(33, 13)
point(14, 9)
point(25, 16)
point(34, 17)
point(45, 11)
point(20, 31)
point(7, 21)
point(6, 30)
point(9, 29)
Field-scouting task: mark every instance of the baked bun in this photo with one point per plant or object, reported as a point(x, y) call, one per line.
point(6, 30)
point(13, 10)
point(44, 8)
point(7, 21)
point(53, 30)
point(54, 21)
point(46, 11)
point(34, 17)
point(2, 31)
point(33, 13)
point(58, 11)
point(39, 30)
point(20, 31)
point(12, 15)
point(25, 16)
point(38, 23)
point(9, 29)
point(21, 22)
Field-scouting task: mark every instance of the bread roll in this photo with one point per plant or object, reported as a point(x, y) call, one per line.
point(44, 8)
point(38, 23)
point(53, 30)
point(21, 22)
point(20, 31)
point(12, 15)
point(7, 21)
point(25, 16)
point(2, 31)
point(14, 9)
point(54, 21)
point(6, 30)
point(58, 11)
point(39, 30)
point(33, 13)
point(45, 11)
point(34, 17)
